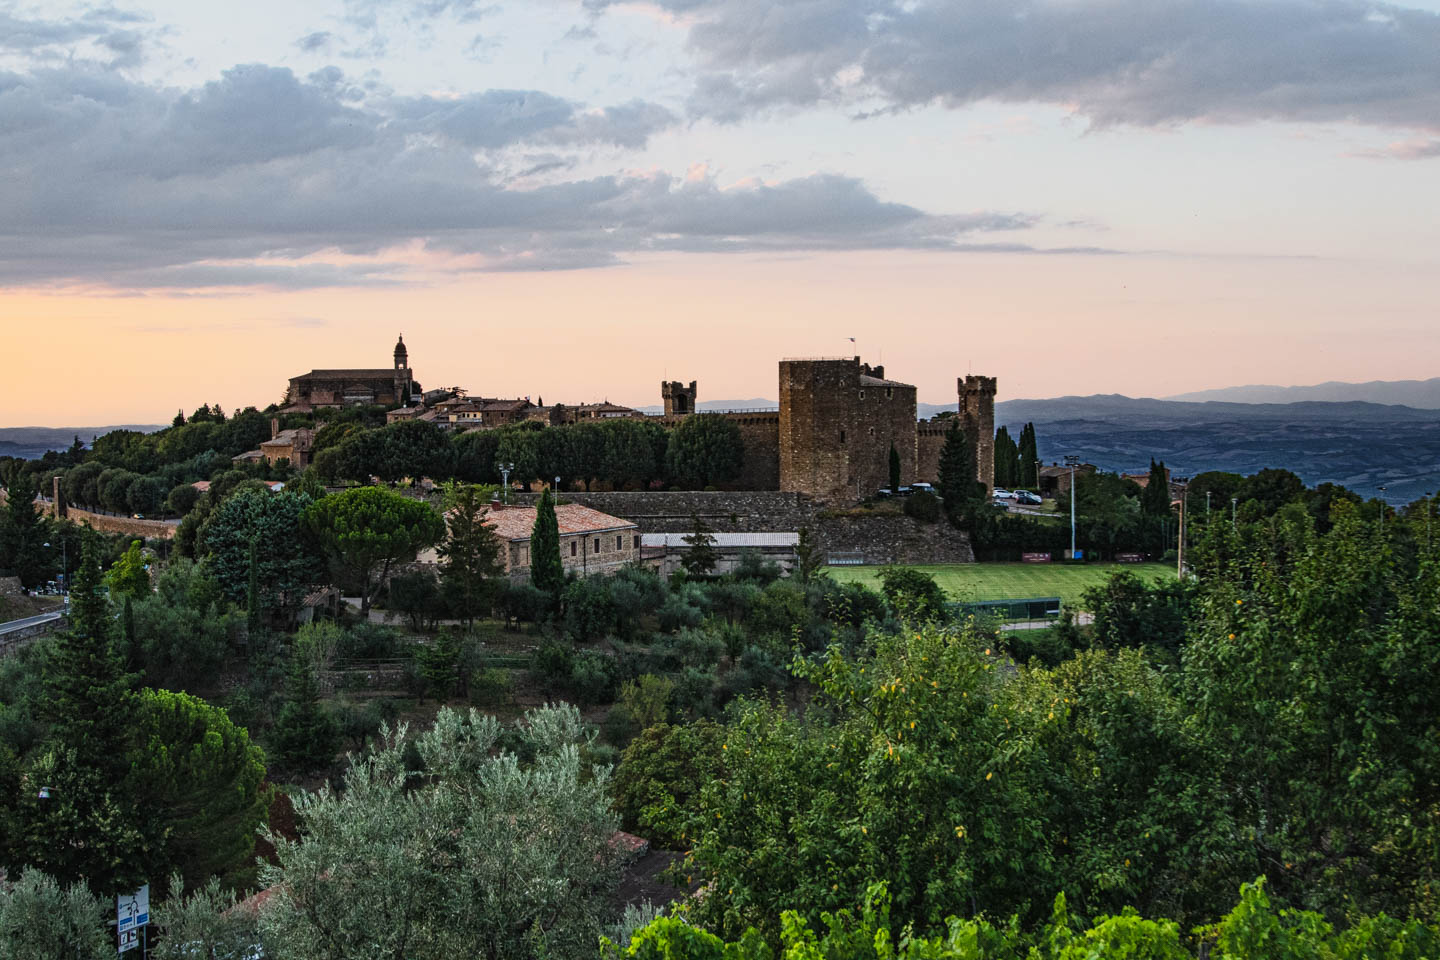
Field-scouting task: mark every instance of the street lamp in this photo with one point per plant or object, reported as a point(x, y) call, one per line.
point(1233, 502)
point(64, 571)
point(1429, 509)
point(1072, 461)
point(505, 469)
point(1381, 488)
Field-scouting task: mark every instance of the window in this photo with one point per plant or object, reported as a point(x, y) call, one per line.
point(618, 542)
point(842, 436)
point(862, 394)
point(572, 547)
point(889, 392)
point(637, 541)
point(597, 544)
point(872, 431)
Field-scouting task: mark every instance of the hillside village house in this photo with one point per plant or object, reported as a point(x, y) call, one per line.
point(591, 542)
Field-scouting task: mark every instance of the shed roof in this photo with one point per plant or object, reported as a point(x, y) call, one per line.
point(775, 539)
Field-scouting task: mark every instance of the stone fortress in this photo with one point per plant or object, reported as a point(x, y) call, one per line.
point(830, 439)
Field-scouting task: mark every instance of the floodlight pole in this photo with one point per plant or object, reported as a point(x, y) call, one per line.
point(1071, 461)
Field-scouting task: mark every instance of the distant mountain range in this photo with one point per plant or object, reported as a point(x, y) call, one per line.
point(1424, 394)
point(32, 442)
point(1359, 444)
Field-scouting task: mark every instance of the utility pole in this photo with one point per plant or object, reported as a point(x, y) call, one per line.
point(1180, 549)
point(1071, 461)
point(1233, 502)
point(1381, 488)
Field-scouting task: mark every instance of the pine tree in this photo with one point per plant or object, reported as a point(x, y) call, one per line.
point(894, 468)
point(21, 538)
point(304, 735)
point(546, 571)
point(90, 831)
point(958, 485)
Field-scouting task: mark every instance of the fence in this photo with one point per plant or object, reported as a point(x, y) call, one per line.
point(845, 559)
point(1032, 608)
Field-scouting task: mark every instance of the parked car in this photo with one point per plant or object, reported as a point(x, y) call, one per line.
point(904, 491)
point(1028, 498)
point(884, 493)
point(922, 487)
point(1002, 494)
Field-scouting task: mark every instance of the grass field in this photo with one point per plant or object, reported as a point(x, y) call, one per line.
point(1012, 581)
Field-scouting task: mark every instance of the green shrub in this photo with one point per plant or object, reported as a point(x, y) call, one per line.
point(490, 687)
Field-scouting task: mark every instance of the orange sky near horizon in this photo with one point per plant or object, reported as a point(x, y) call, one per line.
point(1045, 325)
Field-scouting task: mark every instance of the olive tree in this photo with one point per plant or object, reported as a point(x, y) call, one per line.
point(477, 854)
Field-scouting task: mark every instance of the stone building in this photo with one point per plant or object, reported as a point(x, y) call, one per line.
point(839, 419)
point(292, 445)
point(346, 387)
point(977, 417)
point(679, 399)
point(591, 542)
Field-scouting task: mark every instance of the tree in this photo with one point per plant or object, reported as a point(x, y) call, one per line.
point(470, 552)
point(146, 496)
point(203, 783)
point(305, 736)
point(366, 531)
point(89, 828)
point(1029, 458)
point(809, 563)
point(179, 420)
point(700, 557)
point(661, 775)
point(181, 498)
point(1155, 499)
point(493, 857)
point(40, 920)
point(270, 527)
point(1007, 460)
point(206, 922)
point(547, 573)
point(705, 450)
point(22, 538)
point(913, 592)
point(128, 577)
point(894, 468)
point(959, 489)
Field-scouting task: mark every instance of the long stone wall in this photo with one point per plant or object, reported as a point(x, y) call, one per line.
point(105, 523)
point(673, 511)
point(877, 537)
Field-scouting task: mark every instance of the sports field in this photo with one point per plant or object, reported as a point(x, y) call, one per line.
point(1013, 581)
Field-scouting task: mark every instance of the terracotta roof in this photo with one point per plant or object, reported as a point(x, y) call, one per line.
point(382, 373)
point(515, 523)
point(286, 438)
point(504, 406)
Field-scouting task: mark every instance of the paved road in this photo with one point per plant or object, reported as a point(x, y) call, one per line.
point(13, 625)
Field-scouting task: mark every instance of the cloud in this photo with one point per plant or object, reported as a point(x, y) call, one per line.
point(1141, 62)
point(315, 42)
point(261, 178)
point(104, 32)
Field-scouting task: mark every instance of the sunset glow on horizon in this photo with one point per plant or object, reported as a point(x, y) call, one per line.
point(576, 201)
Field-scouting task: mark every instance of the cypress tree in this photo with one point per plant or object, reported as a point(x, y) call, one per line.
point(894, 468)
point(1029, 458)
point(701, 557)
point(1007, 459)
point(1155, 500)
point(546, 571)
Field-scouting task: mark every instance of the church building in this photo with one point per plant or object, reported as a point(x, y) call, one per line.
point(341, 388)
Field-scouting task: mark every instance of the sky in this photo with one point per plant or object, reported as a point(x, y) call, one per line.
point(577, 199)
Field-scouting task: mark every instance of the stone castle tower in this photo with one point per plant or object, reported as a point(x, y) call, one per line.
point(977, 417)
point(838, 421)
point(679, 399)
